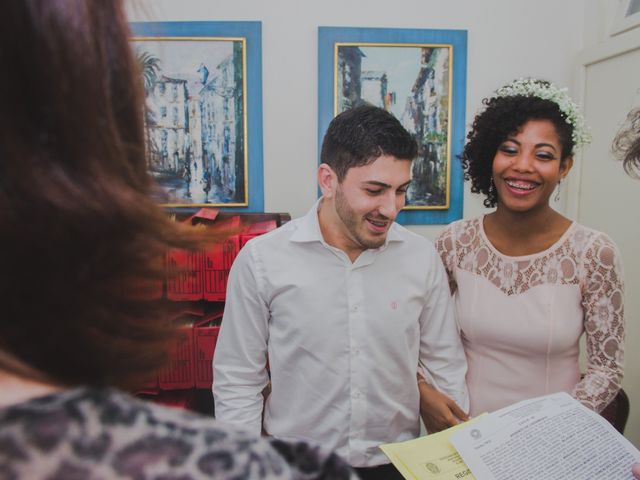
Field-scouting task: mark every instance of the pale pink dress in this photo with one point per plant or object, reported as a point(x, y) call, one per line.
point(521, 318)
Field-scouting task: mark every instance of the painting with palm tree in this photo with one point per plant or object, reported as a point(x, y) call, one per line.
point(195, 118)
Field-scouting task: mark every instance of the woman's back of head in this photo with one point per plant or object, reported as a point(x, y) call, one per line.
point(626, 144)
point(79, 230)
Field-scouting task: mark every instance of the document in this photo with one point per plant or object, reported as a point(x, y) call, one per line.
point(431, 457)
point(548, 438)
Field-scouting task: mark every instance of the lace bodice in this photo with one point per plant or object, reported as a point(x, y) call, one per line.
point(582, 257)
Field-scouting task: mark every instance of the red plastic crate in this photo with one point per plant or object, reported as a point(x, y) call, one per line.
point(179, 372)
point(184, 275)
point(218, 259)
point(256, 229)
point(217, 262)
point(205, 339)
point(205, 334)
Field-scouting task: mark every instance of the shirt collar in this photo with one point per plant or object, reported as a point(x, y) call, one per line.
point(308, 226)
point(309, 229)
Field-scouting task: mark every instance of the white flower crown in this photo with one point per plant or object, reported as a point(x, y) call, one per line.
point(530, 87)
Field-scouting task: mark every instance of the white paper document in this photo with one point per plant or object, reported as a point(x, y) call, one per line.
point(546, 438)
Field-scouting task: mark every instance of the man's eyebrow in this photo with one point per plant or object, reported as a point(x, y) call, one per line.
point(383, 185)
point(376, 184)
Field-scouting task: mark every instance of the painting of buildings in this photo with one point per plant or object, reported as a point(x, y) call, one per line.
point(413, 83)
point(195, 119)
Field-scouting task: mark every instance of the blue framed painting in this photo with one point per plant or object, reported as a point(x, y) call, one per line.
point(203, 115)
point(419, 76)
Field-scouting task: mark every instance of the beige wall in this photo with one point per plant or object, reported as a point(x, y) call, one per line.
point(507, 39)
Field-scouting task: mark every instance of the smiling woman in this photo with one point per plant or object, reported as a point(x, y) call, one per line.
point(76, 324)
point(527, 167)
point(527, 281)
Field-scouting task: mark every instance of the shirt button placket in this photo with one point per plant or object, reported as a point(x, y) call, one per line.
point(357, 370)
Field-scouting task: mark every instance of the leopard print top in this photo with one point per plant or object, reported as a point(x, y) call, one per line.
point(105, 434)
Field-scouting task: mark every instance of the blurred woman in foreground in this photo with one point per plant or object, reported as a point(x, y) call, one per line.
point(80, 234)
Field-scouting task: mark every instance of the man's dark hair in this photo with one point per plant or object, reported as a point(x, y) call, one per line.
point(360, 135)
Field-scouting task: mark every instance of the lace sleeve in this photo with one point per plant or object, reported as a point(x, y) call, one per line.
point(445, 246)
point(602, 288)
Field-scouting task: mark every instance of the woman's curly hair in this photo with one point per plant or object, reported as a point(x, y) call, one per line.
point(501, 117)
point(626, 145)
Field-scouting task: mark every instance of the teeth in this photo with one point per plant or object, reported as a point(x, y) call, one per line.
point(521, 185)
point(377, 223)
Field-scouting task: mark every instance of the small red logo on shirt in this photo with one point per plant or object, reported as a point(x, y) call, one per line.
point(394, 305)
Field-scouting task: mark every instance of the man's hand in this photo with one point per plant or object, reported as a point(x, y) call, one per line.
point(438, 411)
point(636, 471)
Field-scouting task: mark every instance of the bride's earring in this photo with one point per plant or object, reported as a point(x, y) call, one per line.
point(557, 197)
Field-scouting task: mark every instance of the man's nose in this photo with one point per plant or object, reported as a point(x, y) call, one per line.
point(389, 206)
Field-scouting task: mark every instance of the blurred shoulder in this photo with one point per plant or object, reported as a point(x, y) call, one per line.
point(119, 435)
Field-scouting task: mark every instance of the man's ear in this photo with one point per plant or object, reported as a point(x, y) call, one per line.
point(327, 180)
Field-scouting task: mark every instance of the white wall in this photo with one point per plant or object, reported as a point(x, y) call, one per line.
point(604, 197)
point(507, 39)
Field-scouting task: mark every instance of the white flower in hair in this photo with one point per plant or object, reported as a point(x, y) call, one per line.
point(531, 87)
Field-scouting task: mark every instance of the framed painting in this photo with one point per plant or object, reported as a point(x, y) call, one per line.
point(203, 115)
point(420, 77)
point(627, 16)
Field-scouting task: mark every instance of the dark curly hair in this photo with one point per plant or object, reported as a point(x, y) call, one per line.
point(626, 145)
point(504, 116)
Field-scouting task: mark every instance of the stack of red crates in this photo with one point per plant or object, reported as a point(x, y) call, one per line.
point(217, 262)
point(178, 373)
point(205, 337)
point(199, 281)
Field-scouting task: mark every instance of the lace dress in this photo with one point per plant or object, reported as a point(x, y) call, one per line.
point(521, 318)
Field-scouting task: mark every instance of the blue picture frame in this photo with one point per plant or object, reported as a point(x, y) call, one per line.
point(245, 40)
point(448, 206)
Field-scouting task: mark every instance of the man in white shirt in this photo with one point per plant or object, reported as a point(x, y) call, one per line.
point(346, 305)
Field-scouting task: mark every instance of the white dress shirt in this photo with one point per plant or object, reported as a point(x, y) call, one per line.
point(344, 340)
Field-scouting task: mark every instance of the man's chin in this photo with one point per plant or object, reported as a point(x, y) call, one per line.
point(373, 242)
